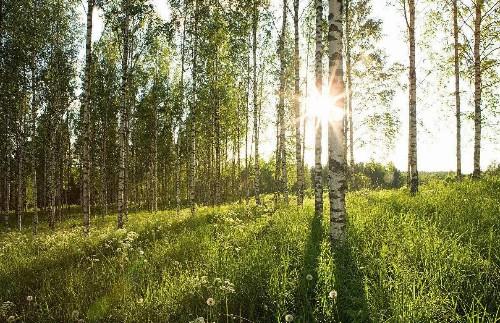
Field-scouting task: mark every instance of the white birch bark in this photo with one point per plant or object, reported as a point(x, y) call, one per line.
point(86, 122)
point(477, 89)
point(318, 185)
point(337, 169)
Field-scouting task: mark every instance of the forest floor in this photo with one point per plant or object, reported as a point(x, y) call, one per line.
point(433, 257)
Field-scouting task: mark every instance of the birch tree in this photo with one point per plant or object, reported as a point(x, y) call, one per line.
point(456, 47)
point(255, 23)
point(412, 78)
point(478, 4)
point(318, 185)
point(337, 170)
point(123, 138)
point(86, 121)
point(281, 105)
point(296, 102)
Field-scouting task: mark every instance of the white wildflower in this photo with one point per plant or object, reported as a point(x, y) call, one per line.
point(29, 298)
point(210, 301)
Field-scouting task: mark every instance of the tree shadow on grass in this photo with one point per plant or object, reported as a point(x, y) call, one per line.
point(351, 302)
point(306, 291)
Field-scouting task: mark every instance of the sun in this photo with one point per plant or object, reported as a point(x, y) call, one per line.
point(322, 106)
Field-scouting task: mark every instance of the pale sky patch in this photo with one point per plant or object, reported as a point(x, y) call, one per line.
point(162, 9)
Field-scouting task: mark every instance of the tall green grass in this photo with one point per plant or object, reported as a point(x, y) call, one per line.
point(434, 257)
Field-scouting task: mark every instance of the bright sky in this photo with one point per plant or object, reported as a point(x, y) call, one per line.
point(436, 135)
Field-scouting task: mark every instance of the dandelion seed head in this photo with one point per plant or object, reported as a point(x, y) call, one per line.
point(29, 298)
point(210, 301)
point(309, 277)
point(289, 318)
point(333, 294)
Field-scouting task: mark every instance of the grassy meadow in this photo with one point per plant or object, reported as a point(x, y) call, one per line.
point(431, 258)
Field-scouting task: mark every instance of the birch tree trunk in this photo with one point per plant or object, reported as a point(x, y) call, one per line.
point(122, 199)
point(477, 90)
point(7, 186)
point(349, 84)
point(413, 103)
point(296, 102)
point(155, 161)
point(217, 127)
point(33, 148)
point(457, 89)
point(318, 185)
point(178, 147)
point(6, 200)
point(105, 164)
point(192, 133)
point(277, 168)
point(20, 161)
point(51, 178)
point(86, 122)
point(255, 106)
point(238, 156)
point(336, 151)
point(247, 117)
point(281, 106)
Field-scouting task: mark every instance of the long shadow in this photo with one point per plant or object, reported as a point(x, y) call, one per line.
point(352, 303)
point(306, 290)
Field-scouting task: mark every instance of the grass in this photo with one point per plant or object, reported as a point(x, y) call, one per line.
point(434, 257)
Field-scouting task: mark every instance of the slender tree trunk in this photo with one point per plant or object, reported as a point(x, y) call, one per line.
point(281, 105)
point(192, 133)
point(350, 127)
point(247, 117)
point(277, 169)
point(86, 122)
point(255, 106)
point(457, 89)
point(296, 102)
point(413, 103)
point(68, 170)
point(238, 152)
point(51, 179)
point(7, 122)
point(7, 193)
point(336, 158)
point(178, 175)
point(217, 137)
point(20, 161)
point(155, 162)
point(318, 180)
point(178, 146)
point(33, 131)
point(477, 90)
point(122, 198)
